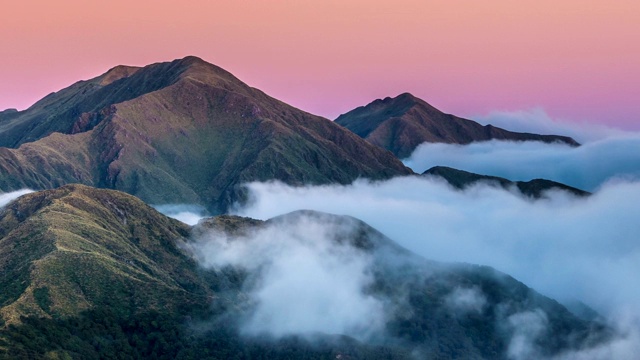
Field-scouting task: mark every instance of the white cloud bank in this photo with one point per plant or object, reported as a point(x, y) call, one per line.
point(565, 247)
point(587, 249)
point(586, 167)
point(6, 198)
point(301, 281)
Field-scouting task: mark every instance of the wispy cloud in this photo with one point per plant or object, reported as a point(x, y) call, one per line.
point(301, 279)
point(537, 121)
point(6, 198)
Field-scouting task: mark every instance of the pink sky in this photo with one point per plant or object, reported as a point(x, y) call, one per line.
point(579, 60)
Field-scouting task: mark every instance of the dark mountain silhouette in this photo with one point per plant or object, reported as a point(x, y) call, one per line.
point(402, 123)
point(534, 188)
point(184, 131)
point(94, 273)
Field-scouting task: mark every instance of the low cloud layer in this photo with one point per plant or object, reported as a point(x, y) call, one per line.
point(301, 281)
point(539, 122)
point(6, 198)
point(566, 247)
point(586, 167)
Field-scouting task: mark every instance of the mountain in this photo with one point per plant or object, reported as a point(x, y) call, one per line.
point(184, 131)
point(75, 248)
point(534, 188)
point(402, 123)
point(93, 273)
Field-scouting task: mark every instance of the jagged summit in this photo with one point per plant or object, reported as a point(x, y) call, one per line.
point(402, 123)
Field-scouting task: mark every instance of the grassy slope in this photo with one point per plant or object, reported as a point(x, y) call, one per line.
point(194, 141)
point(76, 247)
point(85, 266)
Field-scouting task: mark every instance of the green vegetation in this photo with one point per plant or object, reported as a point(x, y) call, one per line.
point(178, 132)
point(103, 335)
point(103, 275)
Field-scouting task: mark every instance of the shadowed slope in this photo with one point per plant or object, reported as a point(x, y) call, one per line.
point(424, 313)
point(402, 123)
point(185, 131)
point(97, 272)
point(534, 188)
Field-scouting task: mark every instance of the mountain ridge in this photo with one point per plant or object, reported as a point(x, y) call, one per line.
point(183, 131)
point(534, 188)
point(113, 267)
point(402, 123)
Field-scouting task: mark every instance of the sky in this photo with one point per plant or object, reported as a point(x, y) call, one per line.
point(579, 61)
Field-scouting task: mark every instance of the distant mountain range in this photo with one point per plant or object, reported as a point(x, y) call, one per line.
point(89, 273)
point(535, 188)
point(183, 131)
point(402, 123)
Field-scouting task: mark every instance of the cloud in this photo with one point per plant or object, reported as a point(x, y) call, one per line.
point(301, 280)
point(586, 167)
point(6, 198)
point(466, 300)
point(537, 121)
point(567, 248)
point(525, 329)
point(188, 214)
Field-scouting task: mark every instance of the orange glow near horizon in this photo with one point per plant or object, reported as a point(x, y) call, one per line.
point(580, 60)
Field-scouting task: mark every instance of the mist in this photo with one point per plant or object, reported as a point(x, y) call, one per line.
point(568, 248)
point(586, 167)
point(301, 280)
point(188, 214)
point(537, 121)
point(6, 198)
point(565, 247)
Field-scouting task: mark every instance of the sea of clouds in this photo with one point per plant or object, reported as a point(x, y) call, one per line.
point(566, 247)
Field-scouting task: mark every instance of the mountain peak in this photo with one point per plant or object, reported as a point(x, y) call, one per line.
point(180, 131)
point(402, 123)
point(192, 60)
point(117, 73)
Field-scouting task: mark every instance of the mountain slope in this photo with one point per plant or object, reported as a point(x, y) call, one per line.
point(90, 273)
point(185, 131)
point(433, 309)
point(76, 248)
point(534, 188)
point(402, 123)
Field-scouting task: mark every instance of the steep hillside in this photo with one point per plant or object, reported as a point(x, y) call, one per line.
point(185, 131)
point(89, 273)
point(402, 123)
point(76, 248)
point(534, 188)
